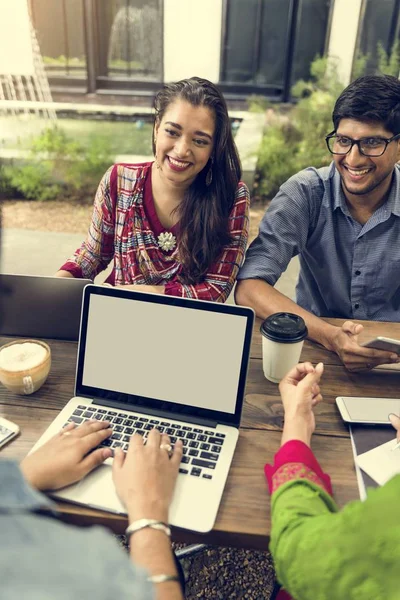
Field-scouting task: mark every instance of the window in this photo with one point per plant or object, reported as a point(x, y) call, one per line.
point(129, 36)
point(269, 44)
point(379, 25)
point(59, 29)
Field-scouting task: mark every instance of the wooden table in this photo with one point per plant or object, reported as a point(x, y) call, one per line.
point(243, 519)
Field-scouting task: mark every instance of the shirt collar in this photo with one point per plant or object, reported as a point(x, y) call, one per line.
point(339, 201)
point(16, 494)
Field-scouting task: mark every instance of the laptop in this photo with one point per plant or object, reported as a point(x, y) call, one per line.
point(148, 360)
point(44, 307)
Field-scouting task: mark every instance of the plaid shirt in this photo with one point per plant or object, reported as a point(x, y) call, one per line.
point(120, 230)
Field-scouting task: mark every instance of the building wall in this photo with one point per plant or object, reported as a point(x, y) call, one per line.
point(192, 39)
point(343, 36)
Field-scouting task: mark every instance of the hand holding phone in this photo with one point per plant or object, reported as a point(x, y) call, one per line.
point(8, 430)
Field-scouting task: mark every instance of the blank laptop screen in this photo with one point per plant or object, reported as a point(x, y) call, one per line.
point(181, 355)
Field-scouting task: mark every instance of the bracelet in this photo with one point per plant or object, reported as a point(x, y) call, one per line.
point(144, 523)
point(162, 578)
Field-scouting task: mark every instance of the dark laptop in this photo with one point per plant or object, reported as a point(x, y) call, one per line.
point(38, 306)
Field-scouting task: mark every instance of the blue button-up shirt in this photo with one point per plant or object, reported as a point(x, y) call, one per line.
point(347, 269)
point(43, 559)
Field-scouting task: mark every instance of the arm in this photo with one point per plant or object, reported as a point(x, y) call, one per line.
point(313, 545)
point(97, 250)
point(62, 273)
point(321, 553)
point(145, 480)
point(221, 276)
point(282, 236)
point(266, 300)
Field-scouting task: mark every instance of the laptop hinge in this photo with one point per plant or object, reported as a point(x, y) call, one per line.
point(111, 404)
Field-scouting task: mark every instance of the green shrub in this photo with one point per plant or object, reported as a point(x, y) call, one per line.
point(389, 64)
point(297, 141)
point(276, 160)
point(33, 181)
point(257, 103)
point(360, 65)
point(59, 167)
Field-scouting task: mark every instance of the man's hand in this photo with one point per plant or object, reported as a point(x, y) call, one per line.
point(344, 341)
point(300, 392)
point(145, 477)
point(66, 458)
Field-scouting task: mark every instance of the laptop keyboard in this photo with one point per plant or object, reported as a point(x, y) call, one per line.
point(201, 447)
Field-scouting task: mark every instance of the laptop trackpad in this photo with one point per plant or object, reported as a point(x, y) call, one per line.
point(97, 489)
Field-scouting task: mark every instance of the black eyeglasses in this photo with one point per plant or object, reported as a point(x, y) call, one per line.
point(369, 146)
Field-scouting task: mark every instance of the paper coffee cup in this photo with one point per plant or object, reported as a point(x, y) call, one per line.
point(283, 336)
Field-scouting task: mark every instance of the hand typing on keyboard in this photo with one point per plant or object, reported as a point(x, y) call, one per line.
point(68, 456)
point(145, 475)
point(201, 446)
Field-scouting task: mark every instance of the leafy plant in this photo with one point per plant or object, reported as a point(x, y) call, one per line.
point(389, 64)
point(297, 140)
point(33, 181)
point(360, 65)
point(58, 167)
point(257, 103)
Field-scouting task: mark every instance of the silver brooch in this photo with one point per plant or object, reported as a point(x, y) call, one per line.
point(166, 241)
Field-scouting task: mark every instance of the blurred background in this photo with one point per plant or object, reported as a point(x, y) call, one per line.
point(77, 81)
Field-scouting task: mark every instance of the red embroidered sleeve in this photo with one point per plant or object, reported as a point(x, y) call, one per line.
point(295, 460)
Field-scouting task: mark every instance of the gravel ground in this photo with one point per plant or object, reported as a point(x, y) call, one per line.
point(215, 573)
point(226, 573)
point(229, 574)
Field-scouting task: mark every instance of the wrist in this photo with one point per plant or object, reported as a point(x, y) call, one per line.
point(328, 337)
point(149, 537)
point(151, 510)
point(297, 429)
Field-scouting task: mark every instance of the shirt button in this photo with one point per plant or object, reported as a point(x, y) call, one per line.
point(356, 305)
point(358, 272)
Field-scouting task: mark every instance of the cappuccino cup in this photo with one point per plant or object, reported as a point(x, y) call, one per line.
point(24, 365)
point(283, 335)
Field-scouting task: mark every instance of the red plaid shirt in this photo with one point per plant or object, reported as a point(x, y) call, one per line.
point(124, 228)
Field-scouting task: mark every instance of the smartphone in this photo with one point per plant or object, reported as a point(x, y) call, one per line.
point(8, 431)
point(371, 411)
point(384, 343)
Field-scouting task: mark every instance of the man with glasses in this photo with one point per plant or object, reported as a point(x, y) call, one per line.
point(343, 221)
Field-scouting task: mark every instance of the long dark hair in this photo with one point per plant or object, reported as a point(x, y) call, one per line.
point(204, 211)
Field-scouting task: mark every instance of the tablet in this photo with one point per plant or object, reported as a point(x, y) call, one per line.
point(371, 411)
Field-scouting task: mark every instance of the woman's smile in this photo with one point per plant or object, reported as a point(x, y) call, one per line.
point(177, 165)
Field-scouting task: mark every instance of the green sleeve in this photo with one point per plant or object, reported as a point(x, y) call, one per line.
point(323, 554)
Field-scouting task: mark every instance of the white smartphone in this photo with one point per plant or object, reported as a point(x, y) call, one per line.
point(384, 343)
point(371, 411)
point(8, 430)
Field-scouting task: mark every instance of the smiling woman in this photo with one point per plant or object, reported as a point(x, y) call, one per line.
point(178, 225)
